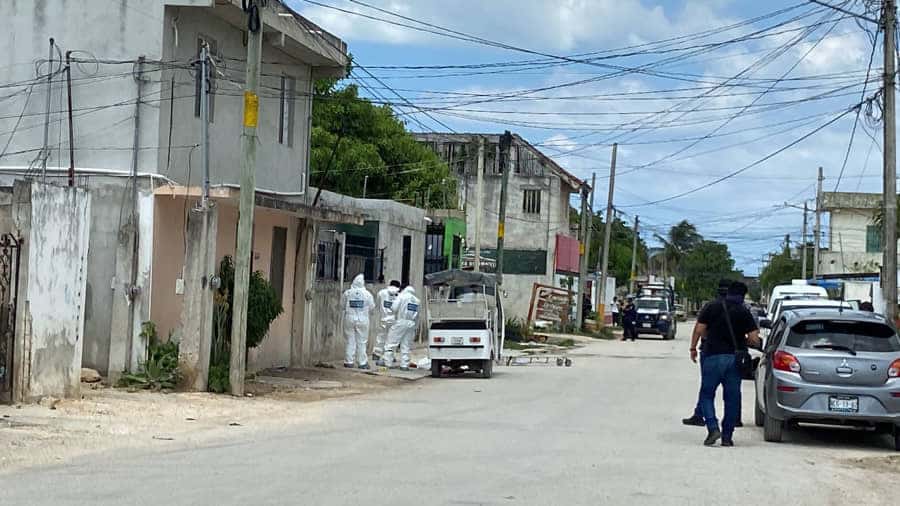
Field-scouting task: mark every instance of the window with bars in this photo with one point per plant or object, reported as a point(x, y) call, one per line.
point(286, 116)
point(531, 201)
point(873, 239)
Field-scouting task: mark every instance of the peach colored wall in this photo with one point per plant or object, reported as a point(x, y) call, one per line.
point(169, 260)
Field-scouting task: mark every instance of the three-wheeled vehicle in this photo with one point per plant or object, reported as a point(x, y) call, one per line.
point(466, 327)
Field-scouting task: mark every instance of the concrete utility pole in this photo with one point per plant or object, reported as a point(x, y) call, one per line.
point(584, 238)
point(204, 122)
point(505, 149)
point(247, 202)
point(817, 230)
point(634, 244)
point(889, 271)
point(479, 203)
point(45, 153)
point(601, 304)
point(803, 269)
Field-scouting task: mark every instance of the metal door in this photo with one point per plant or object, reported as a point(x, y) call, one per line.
point(9, 287)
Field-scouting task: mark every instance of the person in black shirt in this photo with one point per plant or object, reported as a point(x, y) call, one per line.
point(697, 418)
point(719, 367)
point(629, 321)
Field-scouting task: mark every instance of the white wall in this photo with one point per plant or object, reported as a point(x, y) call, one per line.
point(847, 243)
point(53, 307)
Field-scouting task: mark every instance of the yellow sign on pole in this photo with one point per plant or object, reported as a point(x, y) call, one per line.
point(251, 109)
point(500, 230)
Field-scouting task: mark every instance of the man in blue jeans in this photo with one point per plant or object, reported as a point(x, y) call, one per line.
point(722, 325)
point(697, 418)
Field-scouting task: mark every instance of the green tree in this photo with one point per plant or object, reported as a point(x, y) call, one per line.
point(781, 269)
point(621, 239)
point(356, 143)
point(702, 267)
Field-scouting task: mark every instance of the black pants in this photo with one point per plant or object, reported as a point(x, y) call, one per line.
point(630, 331)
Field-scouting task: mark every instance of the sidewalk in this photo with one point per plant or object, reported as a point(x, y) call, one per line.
point(109, 418)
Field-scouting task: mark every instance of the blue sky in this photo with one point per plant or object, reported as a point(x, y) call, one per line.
point(681, 125)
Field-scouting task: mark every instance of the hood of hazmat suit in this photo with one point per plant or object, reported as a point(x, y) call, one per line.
point(386, 298)
point(357, 302)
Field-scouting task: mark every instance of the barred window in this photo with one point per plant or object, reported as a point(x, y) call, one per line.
point(531, 201)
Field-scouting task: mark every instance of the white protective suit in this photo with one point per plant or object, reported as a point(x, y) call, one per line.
point(406, 311)
point(357, 303)
point(385, 300)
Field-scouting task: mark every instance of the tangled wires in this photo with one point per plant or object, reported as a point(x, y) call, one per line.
point(251, 7)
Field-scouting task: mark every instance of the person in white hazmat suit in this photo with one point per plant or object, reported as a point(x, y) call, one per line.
point(406, 313)
point(357, 303)
point(385, 299)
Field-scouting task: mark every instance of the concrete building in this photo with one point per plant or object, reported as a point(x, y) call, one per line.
point(853, 241)
point(538, 240)
point(135, 153)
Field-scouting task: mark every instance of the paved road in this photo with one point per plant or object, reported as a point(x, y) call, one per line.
point(605, 431)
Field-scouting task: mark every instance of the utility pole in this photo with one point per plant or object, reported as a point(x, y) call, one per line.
point(45, 153)
point(479, 203)
point(71, 178)
point(803, 269)
point(204, 123)
point(365, 185)
point(584, 238)
point(634, 244)
point(505, 148)
point(817, 230)
point(247, 201)
point(601, 304)
point(889, 271)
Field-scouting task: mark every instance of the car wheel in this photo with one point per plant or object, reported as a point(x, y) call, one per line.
point(897, 438)
point(772, 429)
point(436, 368)
point(759, 418)
point(487, 368)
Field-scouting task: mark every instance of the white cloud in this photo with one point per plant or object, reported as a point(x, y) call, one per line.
point(559, 25)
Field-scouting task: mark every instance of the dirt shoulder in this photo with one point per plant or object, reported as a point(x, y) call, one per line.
point(108, 418)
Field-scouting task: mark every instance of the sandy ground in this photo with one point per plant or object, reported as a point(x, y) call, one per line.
point(109, 418)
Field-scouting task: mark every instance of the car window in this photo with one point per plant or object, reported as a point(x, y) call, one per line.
point(652, 304)
point(855, 335)
point(775, 335)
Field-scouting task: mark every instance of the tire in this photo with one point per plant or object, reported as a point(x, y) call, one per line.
point(436, 368)
point(772, 429)
point(759, 418)
point(897, 438)
point(487, 368)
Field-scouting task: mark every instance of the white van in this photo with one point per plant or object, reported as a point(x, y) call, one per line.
point(797, 288)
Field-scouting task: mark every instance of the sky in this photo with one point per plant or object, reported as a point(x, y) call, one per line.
point(693, 91)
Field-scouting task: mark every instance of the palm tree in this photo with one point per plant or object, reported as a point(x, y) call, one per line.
point(682, 238)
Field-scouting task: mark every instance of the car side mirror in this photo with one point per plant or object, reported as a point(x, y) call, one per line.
point(765, 323)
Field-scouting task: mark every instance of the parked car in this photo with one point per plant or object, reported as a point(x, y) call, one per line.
point(655, 316)
point(806, 303)
point(680, 315)
point(829, 367)
point(794, 289)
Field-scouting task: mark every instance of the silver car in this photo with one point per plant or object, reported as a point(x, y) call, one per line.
point(832, 367)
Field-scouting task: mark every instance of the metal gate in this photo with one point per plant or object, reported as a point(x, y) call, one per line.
point(9, 287)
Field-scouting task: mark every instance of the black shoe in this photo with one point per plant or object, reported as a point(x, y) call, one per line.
point(696, 421)
point(712, 437)
point(727, 442)
point(738, 423)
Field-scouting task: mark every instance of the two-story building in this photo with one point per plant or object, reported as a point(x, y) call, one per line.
point(854, 242)
point(538, 241)
point(112, 92)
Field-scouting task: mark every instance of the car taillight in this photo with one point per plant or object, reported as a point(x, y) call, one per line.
point(894, 369)
point(784, 361)
point(785, 388)
point(437, 339)
point(475, 340)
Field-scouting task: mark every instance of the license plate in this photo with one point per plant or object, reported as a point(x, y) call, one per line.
point(456, 341)
point(843, 404)
point(647, 325)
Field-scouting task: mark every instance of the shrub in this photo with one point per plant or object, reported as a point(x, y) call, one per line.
point(160, 370)
point(517, 329)
point(263, 307)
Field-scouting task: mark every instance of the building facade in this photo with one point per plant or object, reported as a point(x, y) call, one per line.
point(537, 212)
point(853, 244)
